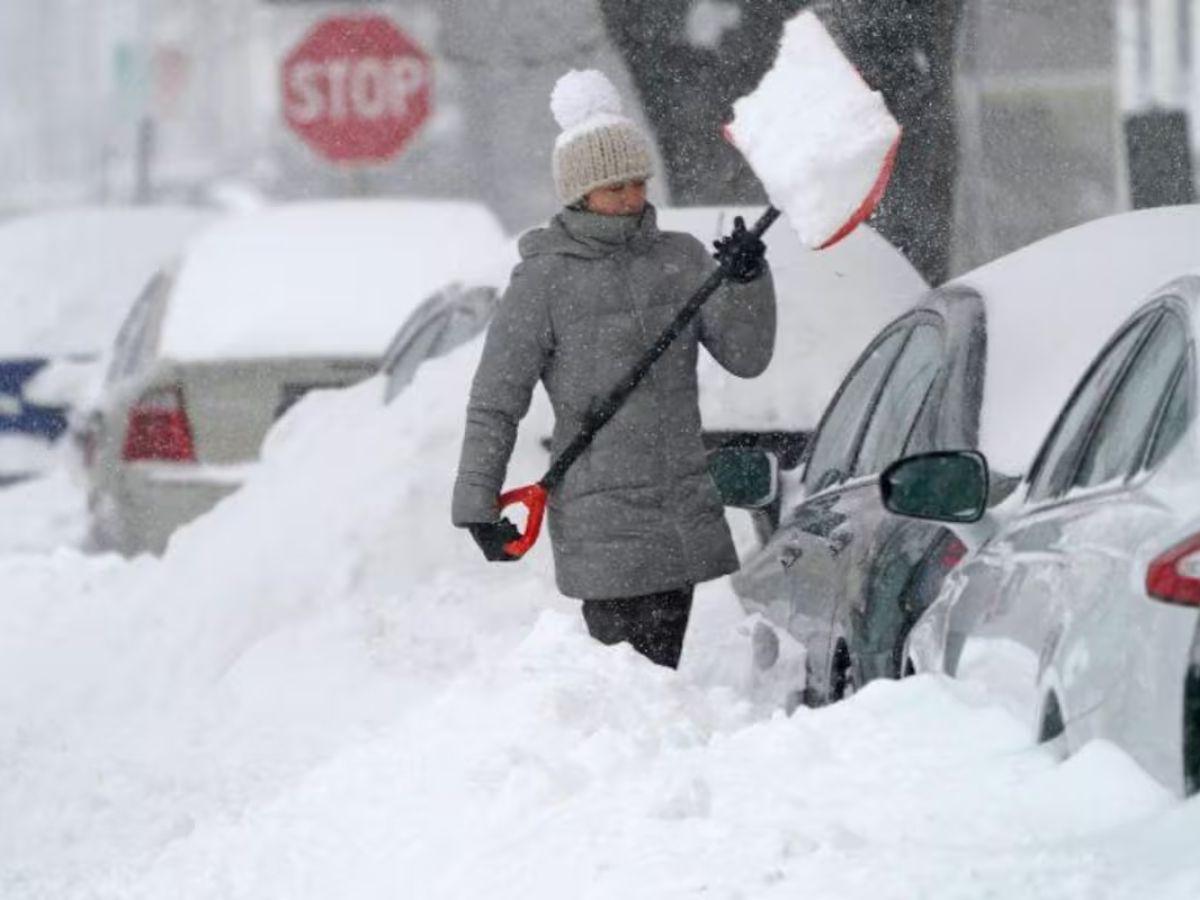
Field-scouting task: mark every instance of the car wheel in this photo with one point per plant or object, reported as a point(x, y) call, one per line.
point(1191, 731)
point(1052, 727)
point(842, 681)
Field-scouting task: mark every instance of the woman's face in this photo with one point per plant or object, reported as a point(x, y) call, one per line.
point(625, 199)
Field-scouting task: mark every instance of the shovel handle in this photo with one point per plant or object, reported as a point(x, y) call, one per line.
point(533, 498)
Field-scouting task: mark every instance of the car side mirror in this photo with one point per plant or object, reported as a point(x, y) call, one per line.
point(945, 486)
point(746, 478)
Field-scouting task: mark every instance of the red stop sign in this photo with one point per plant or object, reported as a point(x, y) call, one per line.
point(356, 88)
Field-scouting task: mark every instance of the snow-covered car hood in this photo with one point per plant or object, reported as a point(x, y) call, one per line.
point(68, 277)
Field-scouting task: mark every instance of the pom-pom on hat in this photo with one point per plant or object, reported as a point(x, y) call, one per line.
point(598, 145)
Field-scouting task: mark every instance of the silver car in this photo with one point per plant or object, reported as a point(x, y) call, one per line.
point(262, 309)
point(983, 363)
point(1079, 608)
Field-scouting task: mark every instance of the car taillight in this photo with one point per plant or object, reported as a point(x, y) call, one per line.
point(159, 428)
point(1175, 575)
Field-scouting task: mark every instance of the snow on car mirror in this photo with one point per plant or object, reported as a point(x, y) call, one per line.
point(945, 486)
point(746, 478)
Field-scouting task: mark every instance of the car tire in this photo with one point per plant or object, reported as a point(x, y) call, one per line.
point(1052, 728)
point(1191, 730)
point(1050, 725)
point(842, 680)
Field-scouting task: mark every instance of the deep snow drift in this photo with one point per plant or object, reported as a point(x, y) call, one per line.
point(321, 691)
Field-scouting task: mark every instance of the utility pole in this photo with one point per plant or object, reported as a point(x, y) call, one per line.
point(144, 124)
point(1153, 42)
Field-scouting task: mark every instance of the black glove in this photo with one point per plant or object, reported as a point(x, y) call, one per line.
point(491, 538)
point(741, 254)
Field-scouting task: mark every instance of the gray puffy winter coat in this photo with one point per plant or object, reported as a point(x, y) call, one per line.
point(638, 512)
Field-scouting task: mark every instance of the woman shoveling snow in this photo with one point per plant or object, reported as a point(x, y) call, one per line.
point(637, 521)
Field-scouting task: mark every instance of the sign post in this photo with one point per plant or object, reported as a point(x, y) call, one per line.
point(356, 89)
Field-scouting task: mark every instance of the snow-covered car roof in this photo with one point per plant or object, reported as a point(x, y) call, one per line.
point(1051, 306)
point(68, 277)
point(325, 278)
point(830, 304)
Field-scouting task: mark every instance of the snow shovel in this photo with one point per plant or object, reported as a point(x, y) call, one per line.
point(823, 144)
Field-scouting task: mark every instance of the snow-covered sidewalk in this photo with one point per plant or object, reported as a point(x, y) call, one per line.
point(42, 514)
point(321, 691)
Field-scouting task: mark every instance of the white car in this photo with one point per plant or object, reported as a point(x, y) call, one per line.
point(260, 310)
point(982, 362)
point(1078, 606)
point(67, 279)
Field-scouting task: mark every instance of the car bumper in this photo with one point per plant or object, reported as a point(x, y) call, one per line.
point(152, 501)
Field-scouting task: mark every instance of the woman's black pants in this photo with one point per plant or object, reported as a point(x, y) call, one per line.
point(654, 624)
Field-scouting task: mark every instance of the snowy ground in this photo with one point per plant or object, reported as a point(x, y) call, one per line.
point(320, 691)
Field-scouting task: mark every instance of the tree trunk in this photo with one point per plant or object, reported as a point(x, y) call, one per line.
point(688, 81)
point(904, 48)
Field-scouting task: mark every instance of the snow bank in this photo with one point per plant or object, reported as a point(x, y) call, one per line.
point(328, 279)
point(322, 690)
point(25, 454)
point(300, 615)
point(68, 277)
point(562, 769)
point(818, 138)
point(43, 513)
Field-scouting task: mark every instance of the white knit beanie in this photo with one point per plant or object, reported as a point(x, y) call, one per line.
point(598, 145)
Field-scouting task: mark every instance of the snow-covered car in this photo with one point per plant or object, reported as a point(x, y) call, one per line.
point(983, 362)
point(262, 309)
point(1080, 609)
point(67, 279)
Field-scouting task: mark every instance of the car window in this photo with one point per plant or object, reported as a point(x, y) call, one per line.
point(130, 345)
point(1056, 461)
point(1175, 418)
point(900, 400)
point(833, 445)
point(1118, 438)
point(404, 359)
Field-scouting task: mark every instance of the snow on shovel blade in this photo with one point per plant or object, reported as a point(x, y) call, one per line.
point(820, 140)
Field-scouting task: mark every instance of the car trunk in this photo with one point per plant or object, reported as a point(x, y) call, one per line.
point(232, 405)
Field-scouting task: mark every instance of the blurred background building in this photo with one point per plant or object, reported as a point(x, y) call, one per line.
point(1063, 110)
point(1049, 97)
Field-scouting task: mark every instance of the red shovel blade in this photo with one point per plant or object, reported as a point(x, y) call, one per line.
point(872, 199)
point(867, 207)
point(533, 498)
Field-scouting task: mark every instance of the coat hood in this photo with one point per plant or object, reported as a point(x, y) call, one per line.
point(588, 235)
